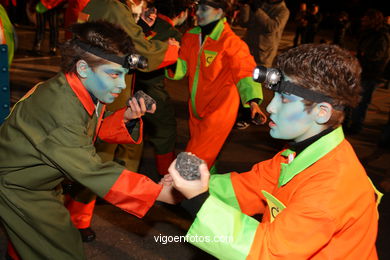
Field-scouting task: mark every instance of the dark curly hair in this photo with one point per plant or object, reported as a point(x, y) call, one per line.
point(327, 69)
point(109, 37)
point(171, 8)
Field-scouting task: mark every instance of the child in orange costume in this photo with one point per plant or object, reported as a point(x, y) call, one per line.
point(316, 199)
point(219, 67)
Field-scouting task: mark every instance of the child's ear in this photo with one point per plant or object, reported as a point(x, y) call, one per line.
point(81, 68)
point(324, 111)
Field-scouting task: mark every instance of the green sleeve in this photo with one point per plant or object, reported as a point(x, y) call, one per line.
point(222, 231)
point(249, 89)
point(221, 187)
point(120, 14)
point(180, 72)
point(8, 33)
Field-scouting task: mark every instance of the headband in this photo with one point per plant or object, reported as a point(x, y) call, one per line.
point(274, 80)
point(130, 61)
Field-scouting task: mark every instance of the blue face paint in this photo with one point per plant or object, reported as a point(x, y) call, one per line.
point(106, 81)
point(289, 120)
point(207, 14)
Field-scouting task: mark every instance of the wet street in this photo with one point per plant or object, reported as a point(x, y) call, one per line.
point(122, 236)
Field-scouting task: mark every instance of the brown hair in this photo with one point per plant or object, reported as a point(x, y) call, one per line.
point(101, 34)
point(327, 69)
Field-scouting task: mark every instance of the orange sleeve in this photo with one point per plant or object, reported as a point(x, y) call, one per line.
point(248, 185)
point(50, 4)
point(113, 129)
point(133, 193)
point(170, 57)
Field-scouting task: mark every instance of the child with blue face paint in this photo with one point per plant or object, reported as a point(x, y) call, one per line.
point(315, 197)
point(49, 137)
point(218, 65)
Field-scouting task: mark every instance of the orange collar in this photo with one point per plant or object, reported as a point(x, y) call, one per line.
point(166, 18)
point(81, 92)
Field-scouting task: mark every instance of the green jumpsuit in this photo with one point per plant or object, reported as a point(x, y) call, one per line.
point(50, 136)
point(159, 54)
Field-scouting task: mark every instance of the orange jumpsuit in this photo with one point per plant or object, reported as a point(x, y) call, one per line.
point(319, 205)
point(220, 72)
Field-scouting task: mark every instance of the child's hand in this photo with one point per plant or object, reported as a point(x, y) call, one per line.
point(191, 188)
point(136, 110)
point(257, 114)
point(169, 194)
point(172, 41)
point(166, 180)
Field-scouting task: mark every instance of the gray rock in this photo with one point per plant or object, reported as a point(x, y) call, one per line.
point(188, 166)
point(149, 101)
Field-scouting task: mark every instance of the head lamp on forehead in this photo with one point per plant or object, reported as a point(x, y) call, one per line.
point(129, 61)
point(274, 80)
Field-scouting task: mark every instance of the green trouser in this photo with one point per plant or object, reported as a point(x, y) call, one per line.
point(38, 224)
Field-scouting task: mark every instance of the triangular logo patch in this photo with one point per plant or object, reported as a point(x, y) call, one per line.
point(209, 57)
point(274, 205)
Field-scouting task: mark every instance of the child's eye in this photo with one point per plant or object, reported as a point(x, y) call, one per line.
point(114, 75)
point(285, 99)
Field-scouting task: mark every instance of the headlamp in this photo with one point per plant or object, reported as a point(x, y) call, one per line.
point(130, 61)
point(269, 76)
point(274, 80)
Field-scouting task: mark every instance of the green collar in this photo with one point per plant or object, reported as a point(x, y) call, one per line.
point(310, 155)
point(217, 31)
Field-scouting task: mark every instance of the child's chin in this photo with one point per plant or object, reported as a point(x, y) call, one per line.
point(276, 135)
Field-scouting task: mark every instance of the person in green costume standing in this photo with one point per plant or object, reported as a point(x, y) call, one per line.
point(50, 134)
point(159, 55)
point(161, 126)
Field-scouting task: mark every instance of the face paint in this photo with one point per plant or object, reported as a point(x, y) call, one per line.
point(106, 81)
point(289, 120)
point(207, 14)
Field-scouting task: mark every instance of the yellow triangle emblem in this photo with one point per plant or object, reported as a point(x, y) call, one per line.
point(275, 206)
point(209, 57)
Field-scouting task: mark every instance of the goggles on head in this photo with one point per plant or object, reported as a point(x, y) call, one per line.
point(273, 79)
point(130, 61)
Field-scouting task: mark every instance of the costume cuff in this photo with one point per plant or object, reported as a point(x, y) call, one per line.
point(134, 193)
point(193, 205)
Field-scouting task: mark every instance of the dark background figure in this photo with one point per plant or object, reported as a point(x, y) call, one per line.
point(314, 18)
point(342, 25)
point(265, 22)
point(71, 14)
point(49, 15)
point(161, 126)
point(301, 23)
point(373, 52)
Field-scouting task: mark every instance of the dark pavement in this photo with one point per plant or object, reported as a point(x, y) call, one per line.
point(122, 236)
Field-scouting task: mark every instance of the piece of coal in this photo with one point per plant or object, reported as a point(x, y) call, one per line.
point(149, 101)
point(188, 166)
